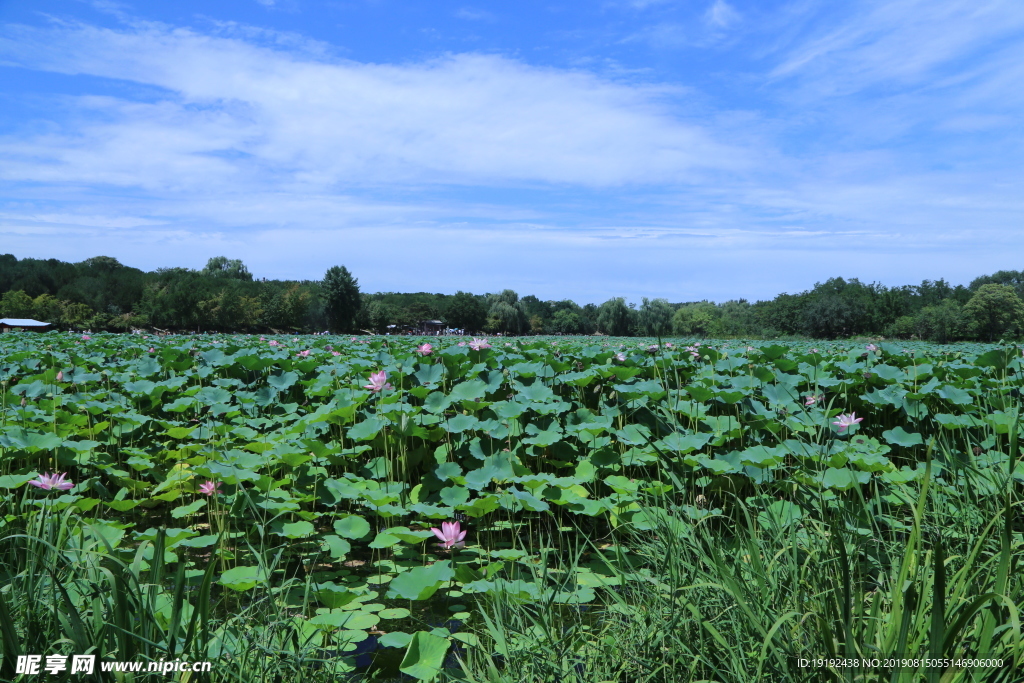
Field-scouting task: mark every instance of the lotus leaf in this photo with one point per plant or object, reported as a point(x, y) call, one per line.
point(420, 583)
point(242, 578)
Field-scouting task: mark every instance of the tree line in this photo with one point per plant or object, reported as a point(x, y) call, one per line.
point(100, 293)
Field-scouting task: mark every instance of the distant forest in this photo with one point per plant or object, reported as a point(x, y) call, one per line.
point(100, 293)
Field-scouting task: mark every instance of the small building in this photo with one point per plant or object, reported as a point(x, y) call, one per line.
point(17, 324)
point(431, 326)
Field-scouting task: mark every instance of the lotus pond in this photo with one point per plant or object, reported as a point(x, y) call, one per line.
point(722, 508)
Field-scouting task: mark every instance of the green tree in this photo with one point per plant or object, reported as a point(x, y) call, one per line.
point(831, 316)
point(537, 313)
point(507, 296)
point(780, 315)
point(222, 266)
point(381, 314)
point(565, 322)
point(588, 318)
point(735, 318)
point(231, 310)
point(105, 285)
point(698, 319)
point(995, 310)
point(836, 308)
point(655, 317)
point(944, 322)
point(16, 304)
point(171, 299)
point(1013, 278)
point(75, 314)
point(104, 264)
point(615, 318)
point(340, 293)
point(904, 327)
point(505, 317)
point(47, 308)
point(506, 313)
point(464, 311)
point(283, 306)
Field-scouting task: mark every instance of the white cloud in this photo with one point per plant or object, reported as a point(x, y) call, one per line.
point(474, 14)
point(665, 35)
point(898, 41)
point(640, 4)
point(460, 119)
point(721, 14)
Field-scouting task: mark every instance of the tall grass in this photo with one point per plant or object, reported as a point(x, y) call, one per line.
point(64, 589)
point(931, 573)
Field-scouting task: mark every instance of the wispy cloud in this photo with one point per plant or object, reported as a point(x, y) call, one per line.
point(463, 119)
point(640, 4)
point(474, 14)
point(663, 35)
point(721, 14)
point(898, 41)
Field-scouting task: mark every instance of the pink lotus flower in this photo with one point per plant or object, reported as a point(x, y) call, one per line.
point(152, 350)
point(263, 339)
point(814, 351)
point(846, 421)
point(462, 343)
point(303, 354)
point(209, 488)
point(86, 337)
point(479, 344)
point(60, 375)
point(295, 339)
point(52, 481)
point(620, 356)
point(378, 381)
point(335, 353)
point(273, 342)
point(871, 347)
point(669, 345)
point(653, 348)
point(451, 535)
point(424, 349)
point(353, 339)
point(811, 400)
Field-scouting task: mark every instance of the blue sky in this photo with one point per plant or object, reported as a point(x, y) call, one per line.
point(696, 149)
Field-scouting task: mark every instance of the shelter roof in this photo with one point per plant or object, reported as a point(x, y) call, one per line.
point(22, 322)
